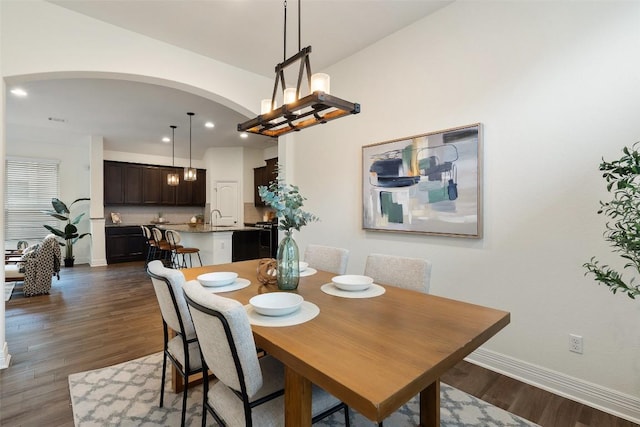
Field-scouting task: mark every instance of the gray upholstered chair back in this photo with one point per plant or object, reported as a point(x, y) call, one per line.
point(327, 258)
point(218, 349)
point(402, 272)
point(164, 278)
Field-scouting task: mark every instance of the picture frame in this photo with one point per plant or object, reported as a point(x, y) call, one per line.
point(427, 184)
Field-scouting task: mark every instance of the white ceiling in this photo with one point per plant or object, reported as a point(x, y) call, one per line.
point(248, 34)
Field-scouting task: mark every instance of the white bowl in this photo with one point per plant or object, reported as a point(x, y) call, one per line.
point(352, 282)
point(303, 266)
point(276, 303)
point(218, 278)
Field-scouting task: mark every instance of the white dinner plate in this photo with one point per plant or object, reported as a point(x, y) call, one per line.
point(308, 311)
point(240, 283)
point(372, 291)
point(308, 272)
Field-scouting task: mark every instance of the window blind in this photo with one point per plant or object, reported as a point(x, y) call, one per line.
point(30, 186)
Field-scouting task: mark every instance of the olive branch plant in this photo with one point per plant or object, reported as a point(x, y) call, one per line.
point(623, 231)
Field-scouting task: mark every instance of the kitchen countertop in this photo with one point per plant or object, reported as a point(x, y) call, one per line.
point(206, 228)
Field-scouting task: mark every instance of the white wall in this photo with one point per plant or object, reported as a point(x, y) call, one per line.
point(74, 176)
point(556, 87)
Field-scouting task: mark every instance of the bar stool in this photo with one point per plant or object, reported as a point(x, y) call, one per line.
point(173, 238)
point(149, 243)
point(163, 248)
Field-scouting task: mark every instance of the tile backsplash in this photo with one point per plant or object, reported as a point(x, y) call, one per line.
point(136, 215)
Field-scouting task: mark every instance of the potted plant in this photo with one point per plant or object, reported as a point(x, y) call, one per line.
point(70, 232)
point(623, 180)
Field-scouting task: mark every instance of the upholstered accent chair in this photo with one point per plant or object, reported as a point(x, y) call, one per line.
point(402, 272)
point(182, 350)
point(36, 266)
point(250, 390)
point(327, 258)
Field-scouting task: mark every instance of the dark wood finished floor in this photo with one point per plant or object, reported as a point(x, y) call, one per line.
point(96, 317)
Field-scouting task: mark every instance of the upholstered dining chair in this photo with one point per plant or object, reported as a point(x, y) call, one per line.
point(182, 350)
point(402, 272)
point(327, 258)
point(250, 390)
point(177, 250)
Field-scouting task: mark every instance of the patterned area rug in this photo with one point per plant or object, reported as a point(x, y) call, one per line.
point(8, 290)
point(128, 395)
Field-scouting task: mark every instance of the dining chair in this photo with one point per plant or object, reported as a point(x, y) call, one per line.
point(182, 350)
point(327, 258)
point(250, 390)
point(402, 272)
point(177, 250)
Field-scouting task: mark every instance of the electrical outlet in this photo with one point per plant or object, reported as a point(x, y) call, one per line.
point(575, 343)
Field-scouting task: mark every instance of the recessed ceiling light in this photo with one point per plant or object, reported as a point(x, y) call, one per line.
point(209, 125)
point(19, 92)
point(244, 135)
point(166, 139)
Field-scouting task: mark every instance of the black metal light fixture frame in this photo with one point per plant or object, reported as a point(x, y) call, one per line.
point(173, 179)
point(315, 108)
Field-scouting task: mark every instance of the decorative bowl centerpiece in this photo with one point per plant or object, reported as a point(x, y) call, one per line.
point(276, 303)
point(218, 278)
point(352, 282)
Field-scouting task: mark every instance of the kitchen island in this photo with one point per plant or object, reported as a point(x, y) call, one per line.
point(214, 242)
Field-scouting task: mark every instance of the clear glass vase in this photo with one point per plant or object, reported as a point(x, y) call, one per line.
point(288, 263)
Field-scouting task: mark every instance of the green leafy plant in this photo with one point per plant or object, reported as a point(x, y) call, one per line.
point(70, 232)
point(623, 232)
point(287, 201)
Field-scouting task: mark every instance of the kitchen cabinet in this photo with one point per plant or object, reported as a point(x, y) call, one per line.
point(245, 245)
point(139, 184)
point(263, 176)
point(133, 193)
point(113, 183)
point(124, 243)
point(151, 186)
point(192, 193)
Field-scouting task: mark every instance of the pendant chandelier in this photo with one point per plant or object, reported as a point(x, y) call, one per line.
point(173, 178)
point(298, 112)
point(190, 174)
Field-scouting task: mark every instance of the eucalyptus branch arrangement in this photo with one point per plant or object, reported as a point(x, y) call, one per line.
point(287, 201)
point(623, 180)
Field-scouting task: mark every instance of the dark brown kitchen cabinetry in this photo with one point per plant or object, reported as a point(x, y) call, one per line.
point(192, 193)
point(245, 245)
point(139, 184)
point(263, 176)
point(124, 243)
point(151, 185)
point(114, 180)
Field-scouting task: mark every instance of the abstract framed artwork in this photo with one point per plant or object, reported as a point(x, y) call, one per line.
point(429, 183)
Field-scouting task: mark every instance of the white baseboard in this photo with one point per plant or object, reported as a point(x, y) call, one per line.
point(610, 401)
point(98, 262)
point(5, 357)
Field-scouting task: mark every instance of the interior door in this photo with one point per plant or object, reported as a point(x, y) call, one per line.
point(227, 202)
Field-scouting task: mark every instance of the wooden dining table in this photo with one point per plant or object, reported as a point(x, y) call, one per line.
point(375, 354)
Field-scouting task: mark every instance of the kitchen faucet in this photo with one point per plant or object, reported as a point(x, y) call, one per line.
point(211, 216)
